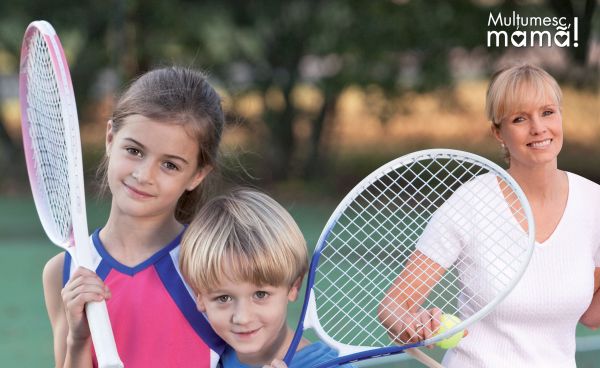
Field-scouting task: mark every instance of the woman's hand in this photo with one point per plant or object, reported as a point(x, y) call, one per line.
point(407, 327)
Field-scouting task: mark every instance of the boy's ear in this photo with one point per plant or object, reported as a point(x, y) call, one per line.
point(200, 303)
point(295, 289)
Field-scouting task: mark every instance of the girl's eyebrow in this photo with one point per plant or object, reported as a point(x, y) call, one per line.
point(170, 157)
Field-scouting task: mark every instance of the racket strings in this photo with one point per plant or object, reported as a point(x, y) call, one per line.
point(381, 229)
point(47, 135)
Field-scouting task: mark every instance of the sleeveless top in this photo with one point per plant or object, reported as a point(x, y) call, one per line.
point(153, 312)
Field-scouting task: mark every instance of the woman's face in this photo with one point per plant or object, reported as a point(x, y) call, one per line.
point(532, 133)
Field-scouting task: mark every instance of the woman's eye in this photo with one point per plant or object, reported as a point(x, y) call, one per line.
point(518, 119)
point(547, 113)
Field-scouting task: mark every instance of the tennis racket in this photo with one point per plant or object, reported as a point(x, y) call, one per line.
point(53, 154)
point(435, 231)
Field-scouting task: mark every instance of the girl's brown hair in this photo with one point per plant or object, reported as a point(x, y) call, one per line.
point(183, 96)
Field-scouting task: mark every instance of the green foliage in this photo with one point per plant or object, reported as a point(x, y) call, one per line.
point(266, 45)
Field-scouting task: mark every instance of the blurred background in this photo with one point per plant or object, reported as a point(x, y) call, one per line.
point(317, 95)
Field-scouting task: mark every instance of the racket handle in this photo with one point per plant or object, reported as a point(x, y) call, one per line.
point(102, 335)
point(423, 358)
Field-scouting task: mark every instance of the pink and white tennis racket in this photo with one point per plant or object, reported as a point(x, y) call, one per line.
point(53, 153)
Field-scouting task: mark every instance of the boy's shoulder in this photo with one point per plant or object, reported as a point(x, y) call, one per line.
point(313, 354)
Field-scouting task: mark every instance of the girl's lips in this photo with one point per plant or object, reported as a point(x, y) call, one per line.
point(136, 192)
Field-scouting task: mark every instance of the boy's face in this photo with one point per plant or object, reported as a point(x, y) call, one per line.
point(250, 318)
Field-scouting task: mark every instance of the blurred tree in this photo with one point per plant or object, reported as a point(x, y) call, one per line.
point(271, 47)
point(585, 11)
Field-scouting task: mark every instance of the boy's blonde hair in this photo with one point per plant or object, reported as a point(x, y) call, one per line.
point(510, 88)
point(246, 233)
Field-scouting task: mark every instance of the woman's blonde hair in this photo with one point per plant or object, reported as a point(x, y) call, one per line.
point(243, 236)
point(510, 88)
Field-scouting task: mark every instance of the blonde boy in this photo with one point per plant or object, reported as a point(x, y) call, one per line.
point(245, 257)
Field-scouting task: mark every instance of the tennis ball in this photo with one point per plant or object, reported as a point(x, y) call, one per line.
point(448, 321)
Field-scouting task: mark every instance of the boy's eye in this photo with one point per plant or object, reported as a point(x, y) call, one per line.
point(261, 294)
point(223, 299)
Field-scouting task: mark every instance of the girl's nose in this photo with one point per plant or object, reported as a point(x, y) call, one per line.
point(143, 173)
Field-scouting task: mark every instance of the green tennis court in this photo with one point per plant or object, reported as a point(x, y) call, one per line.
point(25, 336)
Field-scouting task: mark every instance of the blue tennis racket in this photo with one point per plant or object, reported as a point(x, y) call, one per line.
point(454, 210)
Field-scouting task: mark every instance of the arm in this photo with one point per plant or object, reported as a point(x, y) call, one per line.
point(400, 310)
point(591, 317)
point(66, 311)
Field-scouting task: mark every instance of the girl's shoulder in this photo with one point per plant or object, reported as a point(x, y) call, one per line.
point(53, 270)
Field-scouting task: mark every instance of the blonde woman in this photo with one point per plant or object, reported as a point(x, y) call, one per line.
point(535, 325)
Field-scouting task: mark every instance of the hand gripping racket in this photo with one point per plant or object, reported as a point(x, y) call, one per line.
point(435, 231)
point(53, 153)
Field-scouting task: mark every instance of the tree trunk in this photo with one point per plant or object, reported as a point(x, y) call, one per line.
point(316, 161)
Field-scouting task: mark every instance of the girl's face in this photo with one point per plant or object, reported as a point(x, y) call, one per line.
point(250, 318)
point(150, 166)
point(532, 133)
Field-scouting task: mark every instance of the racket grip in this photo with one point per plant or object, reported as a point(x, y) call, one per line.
point(423, 358)
point(102, 335)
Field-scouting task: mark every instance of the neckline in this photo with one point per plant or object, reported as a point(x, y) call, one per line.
point(106, 257)
point(546, 241)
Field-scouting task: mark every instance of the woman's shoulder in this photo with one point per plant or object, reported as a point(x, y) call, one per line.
point(579, 183)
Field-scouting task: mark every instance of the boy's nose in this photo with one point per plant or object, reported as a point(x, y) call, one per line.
point(241, 314)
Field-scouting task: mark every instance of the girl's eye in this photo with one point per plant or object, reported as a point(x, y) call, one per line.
point(223, 299)
point(133, 151)
point(170, 166)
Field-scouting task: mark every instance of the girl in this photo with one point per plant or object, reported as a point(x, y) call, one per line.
point(161, 144)
point(535, 325)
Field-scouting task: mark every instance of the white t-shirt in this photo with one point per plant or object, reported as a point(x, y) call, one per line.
point(535, 325)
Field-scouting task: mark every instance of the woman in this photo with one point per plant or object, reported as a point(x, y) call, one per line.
point(535, 325)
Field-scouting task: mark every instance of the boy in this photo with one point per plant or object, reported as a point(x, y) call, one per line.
point(245, 258)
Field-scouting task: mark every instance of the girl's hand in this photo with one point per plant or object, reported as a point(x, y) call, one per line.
point(276, 363)
point(83, 287)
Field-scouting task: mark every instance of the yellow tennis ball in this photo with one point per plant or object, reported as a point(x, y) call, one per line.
point(448, 321)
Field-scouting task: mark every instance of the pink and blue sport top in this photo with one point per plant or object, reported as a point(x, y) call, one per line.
point(153, 312)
